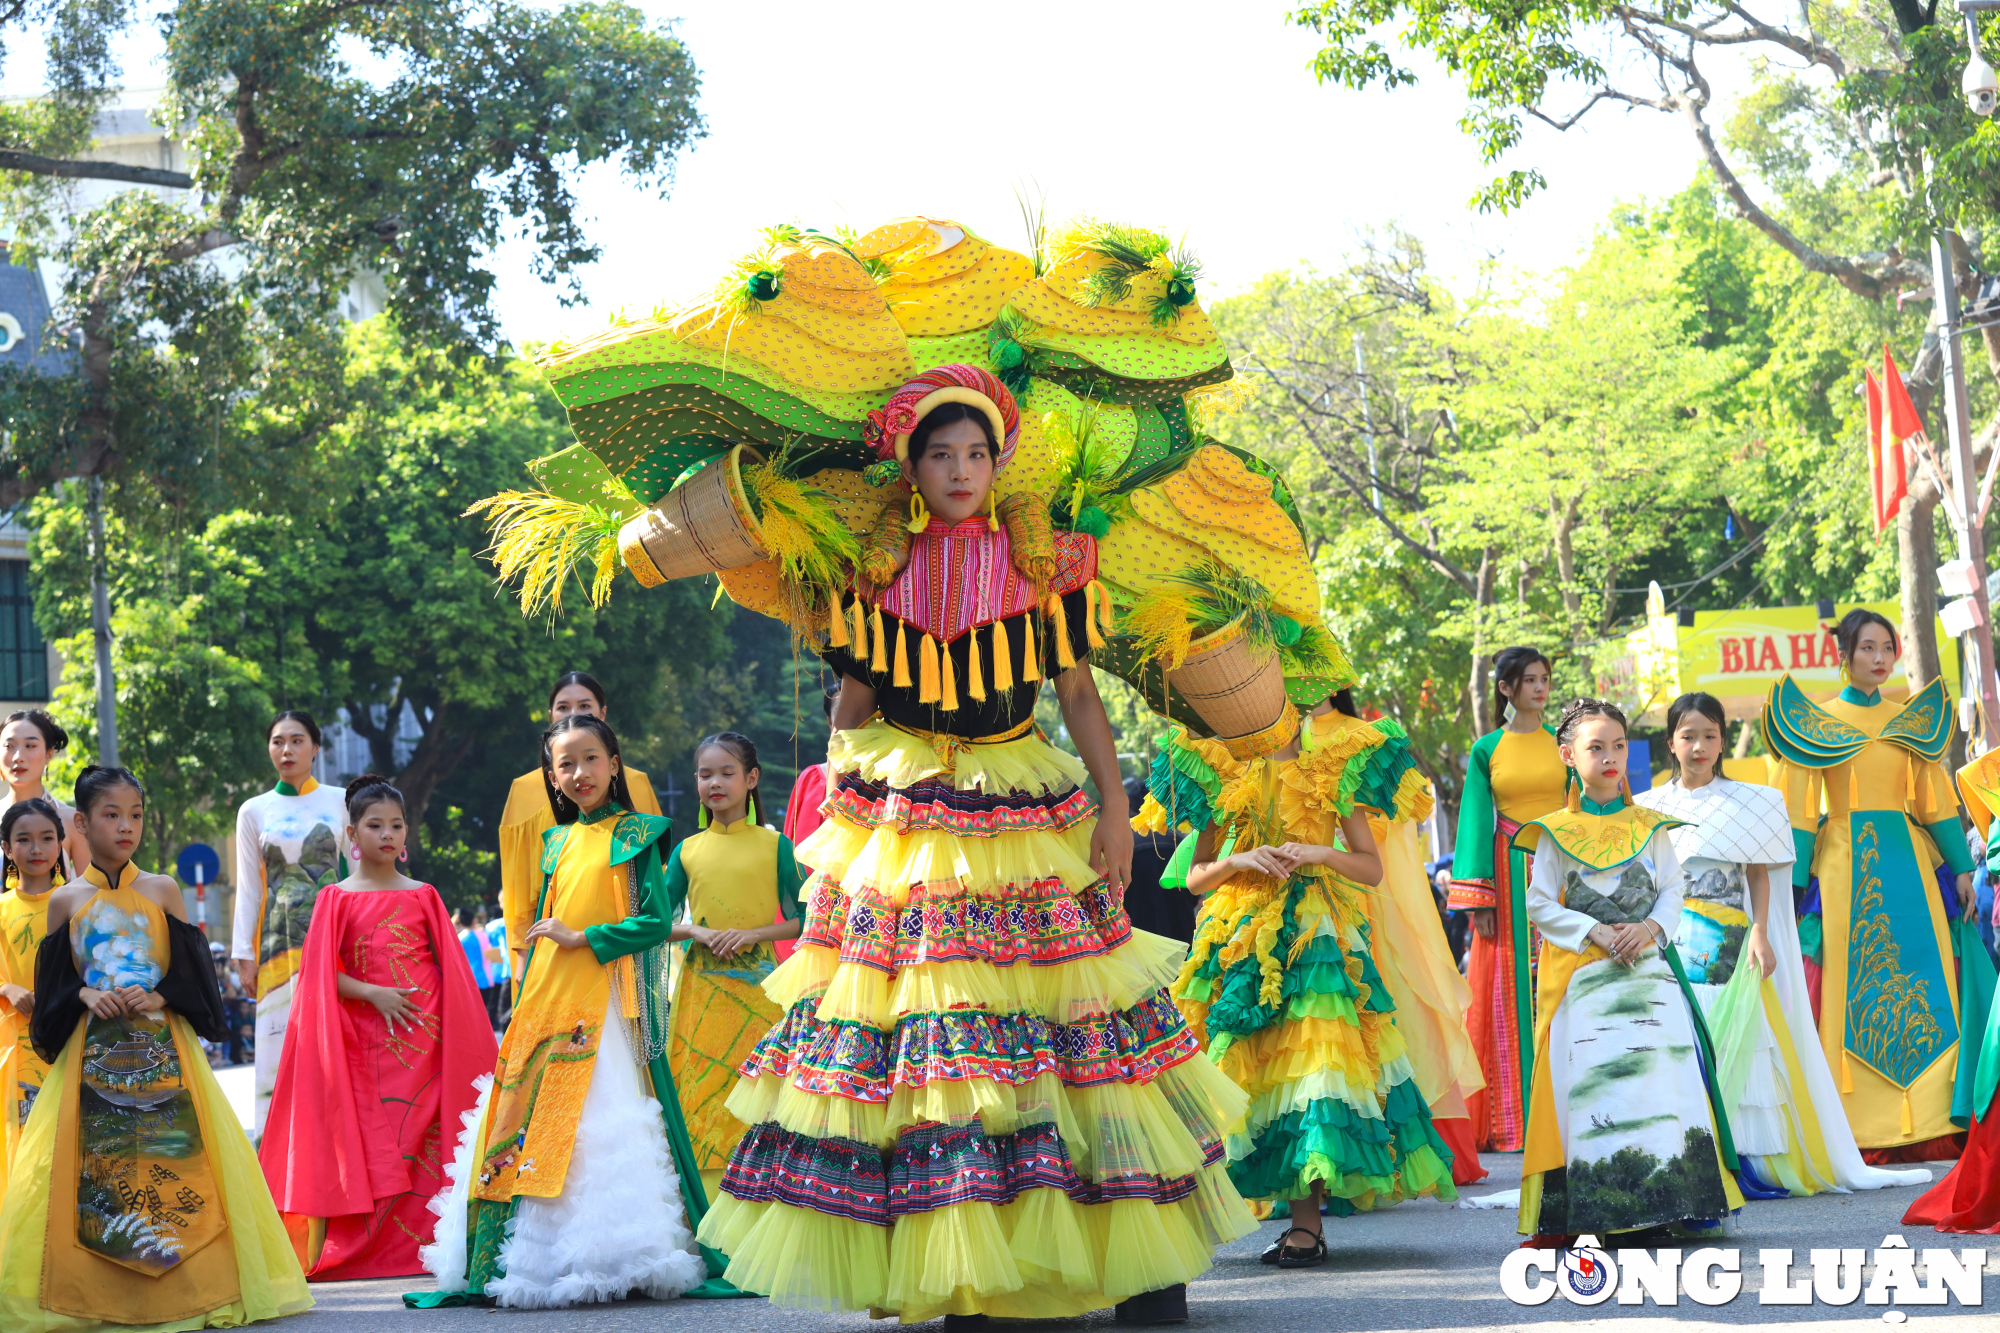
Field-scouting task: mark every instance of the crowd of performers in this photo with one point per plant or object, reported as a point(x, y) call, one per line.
point(922, 1063)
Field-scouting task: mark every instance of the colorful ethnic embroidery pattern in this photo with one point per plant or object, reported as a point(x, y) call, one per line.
point(1041, 924)
point(938, 806)
point(963, 576)
point(841, 1058)
point(932, 1166)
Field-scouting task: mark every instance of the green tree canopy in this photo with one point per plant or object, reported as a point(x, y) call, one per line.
point(468, 123)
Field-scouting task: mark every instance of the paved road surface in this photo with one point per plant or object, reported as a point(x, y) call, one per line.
point(1423, 1265)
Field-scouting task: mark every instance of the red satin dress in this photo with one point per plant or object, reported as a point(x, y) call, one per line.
point(362, 1118)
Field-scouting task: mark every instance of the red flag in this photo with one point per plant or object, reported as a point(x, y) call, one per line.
point(1902, 423)
point(1875, 448)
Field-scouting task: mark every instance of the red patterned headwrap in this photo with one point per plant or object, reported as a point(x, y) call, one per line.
point(889, 427)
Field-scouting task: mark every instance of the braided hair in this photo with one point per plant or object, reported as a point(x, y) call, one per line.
point(1576, 710)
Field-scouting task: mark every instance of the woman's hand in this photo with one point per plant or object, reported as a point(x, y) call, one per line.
point(1111, 851)
point(1270, 861)
point(1634, 940)
point(729, 943)
point(102, 1003)
point(398, 1010)
point(1304, 854)
point(1967, 899)
point(1759, 949)
point(141, 1002)
point(1484, 921)
point(548, 928)
point(20, 997)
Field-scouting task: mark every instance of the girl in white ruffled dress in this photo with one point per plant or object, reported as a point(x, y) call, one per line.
point(574, 1180)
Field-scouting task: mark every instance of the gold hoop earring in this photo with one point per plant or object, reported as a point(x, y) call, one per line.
point(920, 517)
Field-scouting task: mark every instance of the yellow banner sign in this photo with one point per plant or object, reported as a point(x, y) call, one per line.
point(1737, 656)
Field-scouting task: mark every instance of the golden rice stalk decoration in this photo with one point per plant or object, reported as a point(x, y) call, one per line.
point(1208, 407)
point(540, 538)
point(1162, 623)
point(800, 528)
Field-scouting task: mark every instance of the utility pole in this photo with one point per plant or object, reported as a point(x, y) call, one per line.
point(100, 624)
point(1976, 642)
point(1367, 421)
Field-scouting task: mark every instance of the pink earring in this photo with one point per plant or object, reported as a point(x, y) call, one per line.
point(354, 852)
point(403, 855)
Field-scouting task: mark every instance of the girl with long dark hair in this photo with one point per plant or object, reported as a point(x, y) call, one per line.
point(287, 848)
point(31, 847)
point(1513, 775)
point(574, 1182)
point(531, 811)
point(1874, 816)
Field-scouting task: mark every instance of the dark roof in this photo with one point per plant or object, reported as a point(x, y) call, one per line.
point(25, 303)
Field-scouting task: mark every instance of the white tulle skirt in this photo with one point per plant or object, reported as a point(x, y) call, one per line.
point(617, 1229)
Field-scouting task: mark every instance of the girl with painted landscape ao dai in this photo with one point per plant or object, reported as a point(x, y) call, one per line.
point(1621, 1135)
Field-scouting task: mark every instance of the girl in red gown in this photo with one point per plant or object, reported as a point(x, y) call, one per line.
point(387, 1035)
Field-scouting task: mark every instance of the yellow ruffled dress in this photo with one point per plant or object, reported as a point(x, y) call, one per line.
point(1280, 983)
point(981, 1098)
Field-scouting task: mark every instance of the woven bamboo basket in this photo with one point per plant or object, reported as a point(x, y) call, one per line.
point(702, 526)
point(1236, 686)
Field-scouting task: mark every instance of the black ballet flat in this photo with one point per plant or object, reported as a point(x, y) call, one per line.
point(964, 1323)
point(1168, 1305)
point(1297, 1256)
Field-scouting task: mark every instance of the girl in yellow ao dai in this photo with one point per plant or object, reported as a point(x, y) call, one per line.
point(135, 1198)
point(735, 876)
point(31, 836)
point(570, 1184)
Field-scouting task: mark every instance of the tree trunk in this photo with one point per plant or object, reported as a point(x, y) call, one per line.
point(1479, 686)
point(1916, 551)
point(436, 755)
point(1565, 528)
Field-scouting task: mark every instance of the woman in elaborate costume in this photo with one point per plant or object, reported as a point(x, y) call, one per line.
point(1281, 984)
point(1889, 1002)
point(530, 813)
point(31, 842)
point(135, 1197)
point(29, 739)
point(981, 1100)
point(1740, 949)
point(287, 849)
point(741, 887)
point(1621, 1064)
point(573, 1180)
point(1513, 775)
point(387, 1037)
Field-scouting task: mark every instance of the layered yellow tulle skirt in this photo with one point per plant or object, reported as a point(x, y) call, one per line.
point(981, 1098)
point(247, 1273)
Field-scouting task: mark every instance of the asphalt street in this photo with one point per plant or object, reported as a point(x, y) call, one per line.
point(1423, 1265)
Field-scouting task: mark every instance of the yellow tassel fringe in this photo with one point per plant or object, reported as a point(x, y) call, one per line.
point(879, 661)
point(929, 690)
point(1003, 658)
point(836, 628)
point(1065, 655)
point(1031, 660)
point(902, 677)
point(975, 682)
